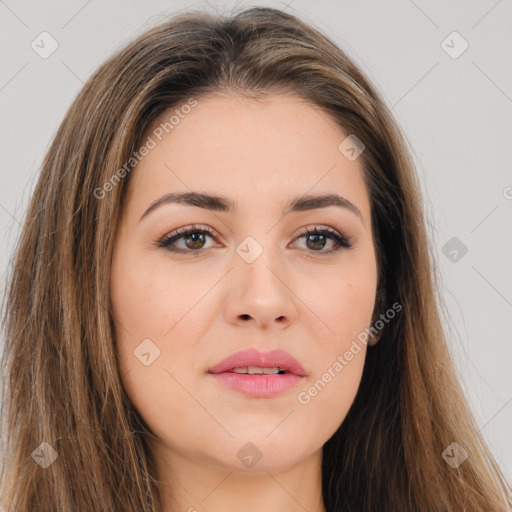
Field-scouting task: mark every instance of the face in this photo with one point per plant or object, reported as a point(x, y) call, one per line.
point(255, 277)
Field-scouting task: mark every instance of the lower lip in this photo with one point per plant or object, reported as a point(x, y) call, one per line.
point(258, 386)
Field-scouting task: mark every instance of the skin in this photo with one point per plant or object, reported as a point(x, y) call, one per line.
point(296, 296)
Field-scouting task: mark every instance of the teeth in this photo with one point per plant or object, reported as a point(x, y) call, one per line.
point(255, 370)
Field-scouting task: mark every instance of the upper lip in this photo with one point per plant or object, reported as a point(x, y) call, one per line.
point(253, 357)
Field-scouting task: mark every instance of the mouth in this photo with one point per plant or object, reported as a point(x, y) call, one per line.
point(256, 370)
point(257, 374)
point(254, 362)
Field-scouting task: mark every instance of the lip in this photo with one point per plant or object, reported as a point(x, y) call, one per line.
point(259, 386)
point(253, 357)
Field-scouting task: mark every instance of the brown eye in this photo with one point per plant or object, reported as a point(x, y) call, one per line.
point(194, 240)
point(197, 240)
point(317, 239)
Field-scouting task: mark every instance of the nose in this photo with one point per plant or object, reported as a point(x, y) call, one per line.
point(260, 295)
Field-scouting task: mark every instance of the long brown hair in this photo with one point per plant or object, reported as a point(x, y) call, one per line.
point(61, 378)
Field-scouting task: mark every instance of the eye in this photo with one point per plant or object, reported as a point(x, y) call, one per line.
point(317, 239)
point(194, 239)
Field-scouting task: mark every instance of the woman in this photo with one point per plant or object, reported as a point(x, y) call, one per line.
point(229, 197)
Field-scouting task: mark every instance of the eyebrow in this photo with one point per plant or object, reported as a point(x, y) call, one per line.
point(225, 205)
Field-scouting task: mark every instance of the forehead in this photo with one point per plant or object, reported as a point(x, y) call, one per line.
point(249, 150)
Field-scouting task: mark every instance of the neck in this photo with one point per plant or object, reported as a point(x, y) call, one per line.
point(195, 485)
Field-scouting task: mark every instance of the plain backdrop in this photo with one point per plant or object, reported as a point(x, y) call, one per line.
point(444, 69)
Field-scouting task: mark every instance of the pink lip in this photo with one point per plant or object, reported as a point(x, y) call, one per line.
point(253, 357)
point(259, 386)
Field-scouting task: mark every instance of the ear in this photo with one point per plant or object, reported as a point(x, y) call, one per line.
point(373, 340)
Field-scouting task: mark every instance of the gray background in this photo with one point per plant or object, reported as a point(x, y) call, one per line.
point(456, 114)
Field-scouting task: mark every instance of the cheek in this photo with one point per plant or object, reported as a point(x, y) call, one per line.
point(330, 393)
point(343, 305)
point(146, 309)
point(345, 308)
point(156, 323)
point(151, 300)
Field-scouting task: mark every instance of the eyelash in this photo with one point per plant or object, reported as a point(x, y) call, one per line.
point(343, 242)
